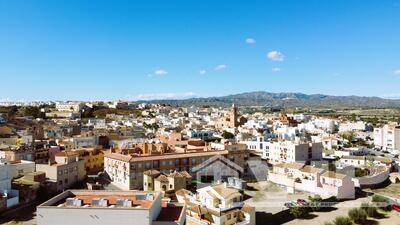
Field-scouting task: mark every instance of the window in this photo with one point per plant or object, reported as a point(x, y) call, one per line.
point(170, 186)
point(66, 180)
point(60, 182)
point(228, 216)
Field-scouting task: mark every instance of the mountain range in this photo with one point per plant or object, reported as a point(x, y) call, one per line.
point(286, 100)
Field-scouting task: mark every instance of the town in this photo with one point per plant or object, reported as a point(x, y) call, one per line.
point(99, 162)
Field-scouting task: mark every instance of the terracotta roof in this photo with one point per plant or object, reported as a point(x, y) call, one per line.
point(117, 156)
point(175, 174)
point(162, 178)
point(67, 153)
point(152, 173)
point(112, 199)
point(226, 192)
point(186, 174)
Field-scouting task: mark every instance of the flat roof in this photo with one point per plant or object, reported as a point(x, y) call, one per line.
point(137, 199)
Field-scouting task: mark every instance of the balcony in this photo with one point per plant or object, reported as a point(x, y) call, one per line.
point(230, 206)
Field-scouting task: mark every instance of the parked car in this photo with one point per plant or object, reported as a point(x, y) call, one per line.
point(396, 207)
point(290, 204)
point(302, 202)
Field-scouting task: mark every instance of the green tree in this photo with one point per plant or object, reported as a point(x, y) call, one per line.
point(227, 135)
point(358, 215)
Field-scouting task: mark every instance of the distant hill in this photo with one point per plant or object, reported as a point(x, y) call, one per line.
point(286, 100)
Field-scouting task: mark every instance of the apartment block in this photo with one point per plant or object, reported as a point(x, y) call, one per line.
point(64, 172)
point(290, 151)
point(126, 170)
point(387, 137)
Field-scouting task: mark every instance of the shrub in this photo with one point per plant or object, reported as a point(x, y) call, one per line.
point(315, 202)
point(371, 210)
point(299, 211)
point(341, 220)
point(358, 215)
point(329, 223)
point(383, 202)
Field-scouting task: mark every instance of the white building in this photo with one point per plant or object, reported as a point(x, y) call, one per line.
point(288, 151)
point(353, 126)
point(69, 106)
point(216, 205)
point(74, 207)
point(21, 167)
point(7, 195)
point(259, 144)
point(297, 176)
point(387, 137)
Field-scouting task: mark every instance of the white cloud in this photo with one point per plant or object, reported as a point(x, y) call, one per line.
point(396, 72)
point(391, 95)
point(160, 72)
point(161, 96)
point(275, 56)
point(250, 41)
point(220, 67)
point(202, 72)
point(276, 69)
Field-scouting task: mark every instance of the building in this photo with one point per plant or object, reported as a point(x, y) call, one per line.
point(387, 137)
point(21, 167)
point(65, 171)
point(202, 134)
point(298, 176)
point(365, 161)
point(216, 205)
point(109, 207)
point(288, 151)
point(69, 106)
point(259, 145)
point(126, 169)
point(8, 196)
point(231, 120)
point(154, 180)
point(93, 157)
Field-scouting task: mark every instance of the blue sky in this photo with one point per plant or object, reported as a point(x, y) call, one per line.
point(94, 49)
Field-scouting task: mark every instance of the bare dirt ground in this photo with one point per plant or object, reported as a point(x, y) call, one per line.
point(269, 198)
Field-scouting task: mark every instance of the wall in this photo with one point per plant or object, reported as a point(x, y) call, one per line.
point(371, 180)
point(22, 168)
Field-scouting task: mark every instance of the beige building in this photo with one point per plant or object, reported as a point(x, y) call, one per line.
point(126, 170)
point(153, 180)
point(65, 171)
point(216, 205)
point(231, 120)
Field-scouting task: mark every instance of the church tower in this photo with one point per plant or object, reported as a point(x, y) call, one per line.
point(233, 117)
